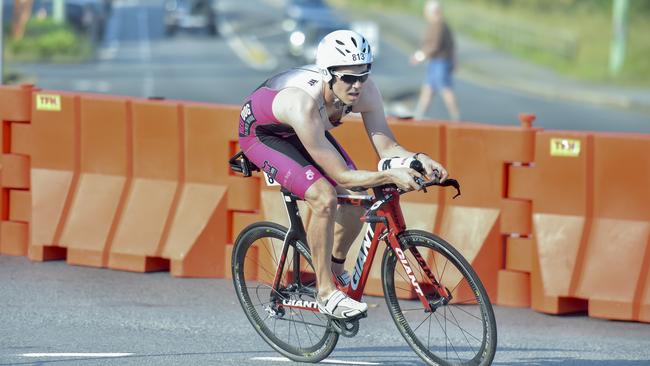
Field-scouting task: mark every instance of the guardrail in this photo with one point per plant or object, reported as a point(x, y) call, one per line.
point(553, 220)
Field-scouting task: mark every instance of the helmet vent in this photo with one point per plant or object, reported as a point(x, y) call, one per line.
point(341, 52)
point(354, 41)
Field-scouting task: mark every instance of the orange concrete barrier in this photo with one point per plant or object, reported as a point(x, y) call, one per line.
point(140, 185)
point(104, 169)
point(478, 156)
point(54, 169)
point(591, 223)
point(199, 228)
point(558, 186)
point(15, 103)
point(513, 288)
point(15, 210)
point(549, 219)
point(153, 193)
point(619, 235)
point(15, 171)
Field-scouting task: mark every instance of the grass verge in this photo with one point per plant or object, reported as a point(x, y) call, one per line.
point(573, 41)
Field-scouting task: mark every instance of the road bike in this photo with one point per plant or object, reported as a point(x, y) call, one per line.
point(435, 298)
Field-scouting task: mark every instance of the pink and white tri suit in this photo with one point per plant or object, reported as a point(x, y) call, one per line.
point(274, 146)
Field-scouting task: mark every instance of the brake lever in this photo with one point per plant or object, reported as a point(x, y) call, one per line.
point(421, 183)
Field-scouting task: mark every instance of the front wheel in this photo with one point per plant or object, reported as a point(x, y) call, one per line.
point(460, 329)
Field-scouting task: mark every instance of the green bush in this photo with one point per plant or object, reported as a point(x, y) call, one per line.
point(59, 41)
point(45, 40)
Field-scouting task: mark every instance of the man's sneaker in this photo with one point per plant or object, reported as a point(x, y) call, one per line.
point(342, 280)
point(339, 306)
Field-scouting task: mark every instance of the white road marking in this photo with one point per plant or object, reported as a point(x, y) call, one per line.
point(249, 49)
point(340, 362)
point(76, 354)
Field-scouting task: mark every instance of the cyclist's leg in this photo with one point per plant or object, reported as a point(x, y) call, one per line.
point(348, 223)
point(287, 162)
point(346, 230)
point(321, 197)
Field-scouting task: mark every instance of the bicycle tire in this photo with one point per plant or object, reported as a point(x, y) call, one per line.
point(465, 331)
point(307, 335)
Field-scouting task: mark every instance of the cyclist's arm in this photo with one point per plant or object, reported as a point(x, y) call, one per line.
point(371, 107)
point(299, 110)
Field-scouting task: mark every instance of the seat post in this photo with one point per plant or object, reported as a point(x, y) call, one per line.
point(296, 227)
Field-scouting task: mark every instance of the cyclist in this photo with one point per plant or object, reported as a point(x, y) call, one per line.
point(284, 129)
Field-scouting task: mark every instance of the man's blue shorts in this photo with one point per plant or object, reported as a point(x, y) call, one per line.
point(439, 73)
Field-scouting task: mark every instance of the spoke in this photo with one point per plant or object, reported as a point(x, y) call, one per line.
point(469, 301)
point(455, 322)
point(447, 340)
point(295, 327)
point(461, 281)
point(425, 319)
point(444, 268)
point(300, 322)
point(415, 309)
point(464, 333)
point(429, 335)
point(272, 290)
point(270, 252)
point(467, 312)
point(306, 328)
point(248, 260)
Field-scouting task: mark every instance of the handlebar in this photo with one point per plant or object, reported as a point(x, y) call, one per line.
point(446, 183)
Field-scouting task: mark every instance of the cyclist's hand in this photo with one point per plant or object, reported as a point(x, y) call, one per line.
point(404, 178)
point(433, 169)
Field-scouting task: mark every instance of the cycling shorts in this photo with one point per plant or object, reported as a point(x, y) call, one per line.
point(276, 149)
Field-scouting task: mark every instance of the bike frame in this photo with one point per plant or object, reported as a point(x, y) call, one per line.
point(385, 222)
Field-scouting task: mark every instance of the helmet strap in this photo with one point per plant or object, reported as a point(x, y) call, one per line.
point(338, 103)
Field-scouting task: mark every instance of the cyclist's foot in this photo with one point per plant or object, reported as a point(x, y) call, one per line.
point(342, 280)
point(340, 306)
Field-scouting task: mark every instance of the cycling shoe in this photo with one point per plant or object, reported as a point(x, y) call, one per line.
point(340, 306)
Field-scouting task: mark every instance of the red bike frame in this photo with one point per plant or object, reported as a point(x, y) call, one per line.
point(386, 222)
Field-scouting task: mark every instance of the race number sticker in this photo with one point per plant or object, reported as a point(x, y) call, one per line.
point(270, 172)
point(565, 147)
point(48, 102)
point(270, 181)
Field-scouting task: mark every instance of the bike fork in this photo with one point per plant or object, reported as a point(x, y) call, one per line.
point(440, 293)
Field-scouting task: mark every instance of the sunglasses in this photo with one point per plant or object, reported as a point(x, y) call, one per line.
point(352, 78)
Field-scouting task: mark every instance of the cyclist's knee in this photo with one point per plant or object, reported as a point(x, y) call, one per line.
point(321, 197)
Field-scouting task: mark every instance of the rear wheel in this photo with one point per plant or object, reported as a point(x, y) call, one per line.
point(300, 334)
point(461, 330)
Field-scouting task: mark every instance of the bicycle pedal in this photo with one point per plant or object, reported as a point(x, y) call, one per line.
point(344, 327)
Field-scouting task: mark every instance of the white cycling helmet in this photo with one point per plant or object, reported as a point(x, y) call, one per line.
point(342, 48)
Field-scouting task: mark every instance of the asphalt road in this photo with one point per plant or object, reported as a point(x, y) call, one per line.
point(137, 59)
point(52, 313)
